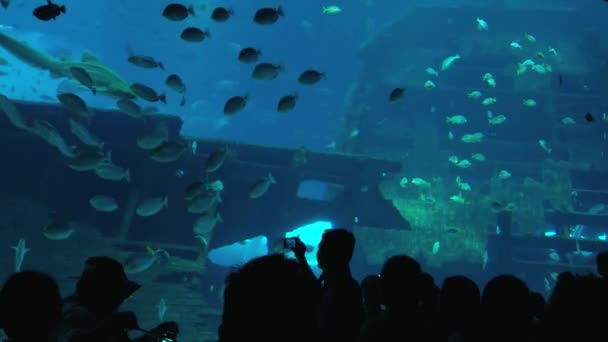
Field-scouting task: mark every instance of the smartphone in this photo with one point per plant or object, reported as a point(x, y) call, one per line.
point(169, 336)
point(289, 243)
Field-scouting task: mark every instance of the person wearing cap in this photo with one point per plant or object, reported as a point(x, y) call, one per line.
point(91, 313)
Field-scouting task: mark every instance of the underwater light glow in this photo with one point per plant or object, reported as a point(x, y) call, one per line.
point(602, 237)
point(311, 235)
point(550, 234)
point(239, 252)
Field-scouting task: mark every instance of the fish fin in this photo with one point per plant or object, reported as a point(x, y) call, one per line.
point(88, 56)
point(150, 250)
point(271, 178)
point(163, 98)
point(218, 217)
point(161, 66)
point(128, 175)
point(218, 196)
point(166, 201)
point(280, 11)
point(191, 10)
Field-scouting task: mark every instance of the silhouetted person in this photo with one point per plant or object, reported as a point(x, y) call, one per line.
point(459, 309)
point(90, 314)
point(30, 306)
point(429, 301)
point(341, 304)
point(400, 279)
point(577, 309)
point(602, 264)
point(506, 310)
point(269, 299)
point(372, 302)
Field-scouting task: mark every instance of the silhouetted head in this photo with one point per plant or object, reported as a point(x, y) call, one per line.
point(103, 285)
point(30, 306)
point(602, 264)
point(505, 300)
point(459, 296)
point(399, 279)
point(336, 249)
point(269, 299)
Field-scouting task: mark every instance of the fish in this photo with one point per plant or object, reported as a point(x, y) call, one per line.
point(235, 104)
point(204, 224)
point(436, 247)
point(83, 76)
point(568, 121)
point(151, 141)
point(103, 203)
point(141, 262)
point(431, 72)
point(268, 16)
point(147, 93)
point(51, 135)
point(504, 174)
point(249, 55)
point(482, 25)
point(175, 82)
point(472, 138)
point(204, 202)
point(84, 135)
point(261, 186)
point(146, 62)
point(421, 182)
point(488, 101)
point(130, 108)
point(396, 94)
point(20, 251)
point(161, 310)
point(529, 102)
point(221, 14)
point(310, 77)
point(194, 35)
point(88, 161)
point(267, 71)
point(449, 61)
point(168, 151)
point(58, 230)
point(589, 117)
point(456, 120)
point(48, 11)
point(5, 3)
point(13, 114)
point(429, 84)
point(195, 189)
point(152, 206)
point(597, 209)
point(177, 12)
point(109, 171)
point(216, 160)
point(75, 104)
point(287, 103)
point(331, 10)
point(474, 94)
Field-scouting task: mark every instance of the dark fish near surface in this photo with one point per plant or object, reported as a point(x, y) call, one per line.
point(249, 55)
point(235, 104)
point(194, 35)
point(58, 230)
point(88, 161)
point(310, 77)
point(268, 16)
point(287, 103)
point(177, 12)
point(168, 152)
point(261, 187)
point(396, 94)
point(75, 104)
point(147, 93)
point(216, 159)
point(5, 3)
point(221, 14)
point(130, 108)
point(266, 71)
point(195, 189)
point(146, 62)
point(589, 117)
point(175, 82)
point(84, 78)
point(48, 11)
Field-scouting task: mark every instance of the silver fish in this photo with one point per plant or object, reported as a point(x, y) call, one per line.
point(20, 251)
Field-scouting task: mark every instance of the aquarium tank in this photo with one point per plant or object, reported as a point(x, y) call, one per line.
point(186, 138)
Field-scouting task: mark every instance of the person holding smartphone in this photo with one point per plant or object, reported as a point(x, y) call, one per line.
point(340, 301)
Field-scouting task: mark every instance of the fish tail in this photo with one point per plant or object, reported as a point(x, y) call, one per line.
point(161, 66)
point(280, 11)
point(271, 178)
point(208, 34)
point(128, 175)
point(166, 201)
point(219, 217)
point(163, 98)
point(191, 10)
point(218, 196)
point(62, 9)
